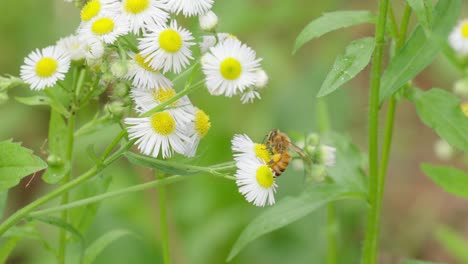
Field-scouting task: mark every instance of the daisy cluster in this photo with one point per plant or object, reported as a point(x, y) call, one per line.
point(140, 43)
point(458, 39)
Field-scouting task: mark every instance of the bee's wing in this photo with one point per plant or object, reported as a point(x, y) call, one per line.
point(299, 151)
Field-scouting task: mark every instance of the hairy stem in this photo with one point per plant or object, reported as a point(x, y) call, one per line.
point(371, 240)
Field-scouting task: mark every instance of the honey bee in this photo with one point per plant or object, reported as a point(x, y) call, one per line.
point(279, 144)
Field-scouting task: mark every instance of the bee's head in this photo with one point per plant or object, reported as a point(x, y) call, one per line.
point(272, 134)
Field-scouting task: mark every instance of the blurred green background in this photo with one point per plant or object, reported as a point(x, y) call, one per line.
point(206, 214)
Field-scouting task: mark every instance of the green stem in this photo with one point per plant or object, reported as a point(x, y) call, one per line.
point(101, 197)
point(332, 233)
point(65, 196)
point(163, 221)
point(95, 170)
point(371, 240)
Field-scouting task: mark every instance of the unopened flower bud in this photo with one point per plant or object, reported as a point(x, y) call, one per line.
point(54, 161)
point(317, 173)
point(115, 108)
point(261, 79)
point(208, 21)
point(461, 88)
point(119, 69)
point(443, 150)
point(312, 140)
point(327, 155)
point(121, 90)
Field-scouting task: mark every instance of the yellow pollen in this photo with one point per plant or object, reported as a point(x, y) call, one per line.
point(261, 151)
point(90, 10)
point(464, 30)
point(170, 40)
point(103, 26)
point(162, 95)
point(140, 60)
point(230, 68)
point(46, 67)
point(265, 176)
point(202, 123)
point(163, 123)
point(136, 6)
point(464, 108)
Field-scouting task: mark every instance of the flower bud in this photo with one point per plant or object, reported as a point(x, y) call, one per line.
point(119, 69)
point(208, 21)
point(443, 150)
point(54, 161)
point(312, 140)
point(317, 173)
point(327, 155)
point(461, 88)
point(261, 79)
point(121, 90)
point(115, 108)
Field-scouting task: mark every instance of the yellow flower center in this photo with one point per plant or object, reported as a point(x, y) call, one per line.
point(46, 67)
point(265, 176)
point(464, 30)
point(230, 68)
point(103, 26)
point(136, 6)
point(464, 107)
point(90, 10)
point(261, 151)
point(140, 60)
point(202, 123)
point(162, 95)
point(163, 123)
point(170, 40)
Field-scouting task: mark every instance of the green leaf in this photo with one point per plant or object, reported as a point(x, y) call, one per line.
point(348, 170)
point(288, 211)
point(348, 65)
point(168, 167)
point(16, 162)
point(57, 147)
point(82, 217)
point(7, 247)
point(450, 179)
point(57, 222)
point(420, 49)
point(423, 9)
point(454, 243)
point(101, 243)
point(329, 22)
point(440, 110)
point(44, 100)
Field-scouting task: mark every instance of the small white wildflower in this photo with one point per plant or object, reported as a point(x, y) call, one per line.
point(197, 130)
point(244, 148)
point(208, 21)
point(159, 133)
point(106, 27)
point(43, 68)
point(256, 182)
point(190, 7)
point(167, 48)
point(230, 68)
point(73, 46)
point(210, 41)
point(144, 76)
point(142, 13)
point(94, 8)
point(458, 39)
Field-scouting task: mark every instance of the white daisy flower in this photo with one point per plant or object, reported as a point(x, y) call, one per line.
point(73, 46)
point(459, 38)
point(250, 95)
point(167, 48)
point(190, 7)
point(328, 155)
point(43, 68)
point(145, 76)
point(256, 182)
point(93, 8)
point(208, 21)
point(146, 99)
point(244, 148)
point(198, 130)
point(210, 41)
point(107, 27)
point(230, 68)
point(159, 133)
point(141, 13)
